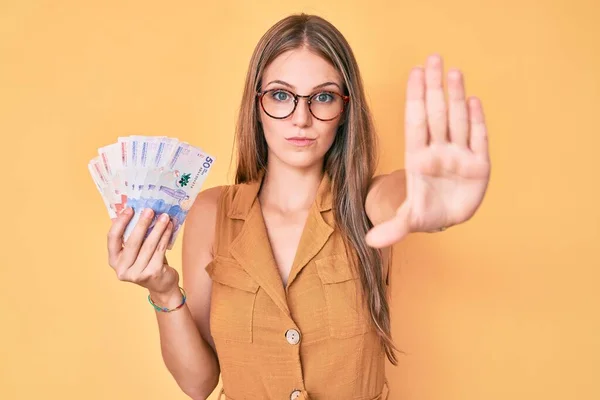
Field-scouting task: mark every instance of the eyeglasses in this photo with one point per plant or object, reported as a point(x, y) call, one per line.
point(324, 106)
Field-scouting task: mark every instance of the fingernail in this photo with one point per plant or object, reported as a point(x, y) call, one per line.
point(147, 212)
point(164, 217)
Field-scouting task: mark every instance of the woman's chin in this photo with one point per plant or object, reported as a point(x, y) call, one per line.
point(301, 161)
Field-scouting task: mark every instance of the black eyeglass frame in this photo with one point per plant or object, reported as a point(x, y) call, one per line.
point(309, 97)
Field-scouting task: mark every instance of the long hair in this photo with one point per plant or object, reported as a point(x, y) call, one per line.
point(351, 160)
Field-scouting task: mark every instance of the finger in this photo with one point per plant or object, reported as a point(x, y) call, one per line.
point(159, 259)
point(434, 100)
point(458, 116)
point(115, 235)
point(176, 227)
point(479, 136)
point(150, 244)
point(137, 236)
point(391, 231)
point(415, 112)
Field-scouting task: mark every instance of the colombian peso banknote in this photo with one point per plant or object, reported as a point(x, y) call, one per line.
point(156, 172)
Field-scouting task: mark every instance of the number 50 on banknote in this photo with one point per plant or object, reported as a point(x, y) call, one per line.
point(154, 172)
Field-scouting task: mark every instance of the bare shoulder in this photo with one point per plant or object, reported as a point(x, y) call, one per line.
point(207, 198)
point(198, 239)
point(374, 191)
point(375, 182)
point(203, 213)
point(201, 220)
point(385, 194)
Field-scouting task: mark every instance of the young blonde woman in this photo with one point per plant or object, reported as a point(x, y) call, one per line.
point(285, 273)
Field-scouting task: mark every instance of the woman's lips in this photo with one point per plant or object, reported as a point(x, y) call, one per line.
point(301, 142)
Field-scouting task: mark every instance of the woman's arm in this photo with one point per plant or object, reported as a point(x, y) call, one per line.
point(186, 344)
point(385, 195)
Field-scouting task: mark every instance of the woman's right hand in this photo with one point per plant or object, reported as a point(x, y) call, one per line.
point(140, 261)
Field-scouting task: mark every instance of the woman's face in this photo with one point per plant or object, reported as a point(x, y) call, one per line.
point(299, 140)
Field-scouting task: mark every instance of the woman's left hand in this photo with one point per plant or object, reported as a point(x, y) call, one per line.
point(447, 160)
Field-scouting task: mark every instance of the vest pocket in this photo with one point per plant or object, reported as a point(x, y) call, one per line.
point(346, 309)
point(232, 301)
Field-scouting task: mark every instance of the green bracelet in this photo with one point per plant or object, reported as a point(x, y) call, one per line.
point(163, 309)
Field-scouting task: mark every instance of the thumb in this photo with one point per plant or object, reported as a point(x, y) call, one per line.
point(391, 231)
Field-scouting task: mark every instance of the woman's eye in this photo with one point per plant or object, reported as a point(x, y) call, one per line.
point(324, 97)
point(281, 96)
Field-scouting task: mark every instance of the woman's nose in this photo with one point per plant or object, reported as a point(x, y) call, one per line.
point(302, 115)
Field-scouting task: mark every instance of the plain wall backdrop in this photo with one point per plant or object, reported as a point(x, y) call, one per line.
point(505, 306)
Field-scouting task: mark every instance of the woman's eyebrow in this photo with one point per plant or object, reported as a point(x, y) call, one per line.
point(316, 87)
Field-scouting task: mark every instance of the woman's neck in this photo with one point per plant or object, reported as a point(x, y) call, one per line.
point(290, 189)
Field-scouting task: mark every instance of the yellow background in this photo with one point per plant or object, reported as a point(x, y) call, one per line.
point(505, 306)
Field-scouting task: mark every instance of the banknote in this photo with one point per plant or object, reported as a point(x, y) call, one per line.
point(157, 172)
point(112, 167)
point(101, 181)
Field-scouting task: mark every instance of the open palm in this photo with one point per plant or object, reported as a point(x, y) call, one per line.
point(447, 158)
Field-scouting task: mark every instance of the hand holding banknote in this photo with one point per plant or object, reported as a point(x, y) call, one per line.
point(156, 172)
point(141, 259)
point(148, 184)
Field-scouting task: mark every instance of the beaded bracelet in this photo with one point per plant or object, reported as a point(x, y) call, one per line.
point(167, 310)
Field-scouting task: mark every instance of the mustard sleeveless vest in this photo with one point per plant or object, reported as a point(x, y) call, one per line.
point(311, 339)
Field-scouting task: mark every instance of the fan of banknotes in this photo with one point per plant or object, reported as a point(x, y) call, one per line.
point(154, 172)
